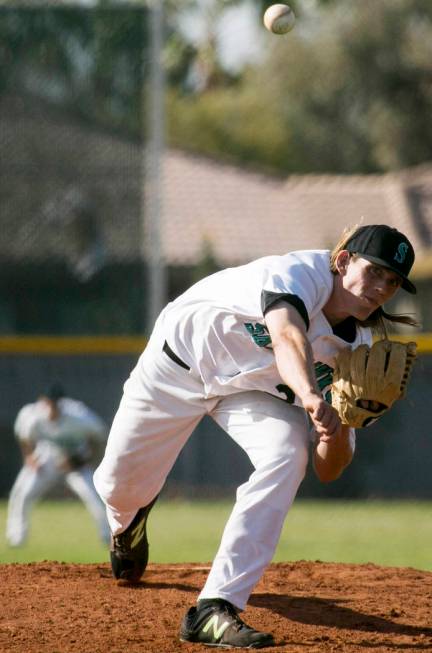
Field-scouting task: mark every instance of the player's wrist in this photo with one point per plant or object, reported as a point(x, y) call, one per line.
point(310, 399)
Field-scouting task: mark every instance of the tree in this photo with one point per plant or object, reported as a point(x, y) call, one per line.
point(347, 91)
point(88, 61)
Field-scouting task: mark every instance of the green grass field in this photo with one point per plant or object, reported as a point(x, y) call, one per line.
point(385, 533)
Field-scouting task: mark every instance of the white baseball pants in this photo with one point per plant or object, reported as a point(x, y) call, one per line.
point(161, 405)
point(31, 484)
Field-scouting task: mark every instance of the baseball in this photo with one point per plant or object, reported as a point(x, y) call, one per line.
point(279, 19)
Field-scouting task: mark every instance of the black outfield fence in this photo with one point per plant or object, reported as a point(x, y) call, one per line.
point(392, 459)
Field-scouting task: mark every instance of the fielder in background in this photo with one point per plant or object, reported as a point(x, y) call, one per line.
point(59, 438)
point(255, 348)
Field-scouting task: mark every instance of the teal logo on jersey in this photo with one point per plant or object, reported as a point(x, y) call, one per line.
point(324, 377)
point(259, 333)
point(401, 253)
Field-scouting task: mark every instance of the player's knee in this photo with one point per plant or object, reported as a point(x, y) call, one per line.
point(292, 455)
point(296, 463)
point(286, 470)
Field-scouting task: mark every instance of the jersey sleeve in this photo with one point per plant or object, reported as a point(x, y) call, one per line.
point(270, 298)
point(88, 420)
point(302, 280)
point(96, 427)
point(25, 426)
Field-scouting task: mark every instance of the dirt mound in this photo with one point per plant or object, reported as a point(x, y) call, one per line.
point(308, 606)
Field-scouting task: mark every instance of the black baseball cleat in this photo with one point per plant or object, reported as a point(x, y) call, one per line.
point(130, 549)
point(215, 622)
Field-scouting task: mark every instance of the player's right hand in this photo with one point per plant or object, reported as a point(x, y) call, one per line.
point(324, 417)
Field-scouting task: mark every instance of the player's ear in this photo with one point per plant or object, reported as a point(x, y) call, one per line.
point(342, 261)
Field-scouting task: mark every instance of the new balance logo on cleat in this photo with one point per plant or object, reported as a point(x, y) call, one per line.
point(215, 622)
point(138, 533)
point(130, 550)
point(218, 631)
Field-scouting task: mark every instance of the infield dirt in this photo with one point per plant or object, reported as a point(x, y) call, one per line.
point(309, 607)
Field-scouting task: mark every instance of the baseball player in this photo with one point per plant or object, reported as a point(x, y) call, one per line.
point(254, 347)
point(58, 437)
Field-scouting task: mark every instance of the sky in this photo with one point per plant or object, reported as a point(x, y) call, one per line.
point(239, 34)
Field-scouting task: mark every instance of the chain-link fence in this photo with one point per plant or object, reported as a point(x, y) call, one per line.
point(72, 116)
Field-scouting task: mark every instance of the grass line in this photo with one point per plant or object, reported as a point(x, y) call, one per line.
point(389, 533)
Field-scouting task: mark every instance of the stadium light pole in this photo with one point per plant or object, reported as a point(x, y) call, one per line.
point(153, 168)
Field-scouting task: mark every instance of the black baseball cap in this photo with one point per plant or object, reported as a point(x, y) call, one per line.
point(385, 246)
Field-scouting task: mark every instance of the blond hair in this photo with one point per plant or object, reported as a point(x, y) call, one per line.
point(377, 320)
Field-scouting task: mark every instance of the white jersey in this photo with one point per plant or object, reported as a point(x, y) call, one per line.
point(69, 434)
point(218, 329)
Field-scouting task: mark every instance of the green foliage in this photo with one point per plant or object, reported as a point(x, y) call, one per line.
point(386, 533)
point(231, 124)
point(88, 61)
point(348, 90)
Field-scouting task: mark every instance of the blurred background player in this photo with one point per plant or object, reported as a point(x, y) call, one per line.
point(59, 439)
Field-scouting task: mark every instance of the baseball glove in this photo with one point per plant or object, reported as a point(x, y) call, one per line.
point(368, 380)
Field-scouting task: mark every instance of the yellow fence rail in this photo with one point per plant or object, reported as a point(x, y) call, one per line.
point(71, 345)
point(79, 345)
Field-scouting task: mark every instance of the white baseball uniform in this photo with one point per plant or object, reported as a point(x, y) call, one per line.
point(210, 353)
point(53, 442)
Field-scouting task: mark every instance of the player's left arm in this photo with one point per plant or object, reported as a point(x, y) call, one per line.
point(26, 432)
point(332, 455)
point(27, 452)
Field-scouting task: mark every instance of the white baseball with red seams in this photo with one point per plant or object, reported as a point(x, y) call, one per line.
point(279, 19)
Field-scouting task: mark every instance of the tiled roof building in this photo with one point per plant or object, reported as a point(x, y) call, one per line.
point(246, 215)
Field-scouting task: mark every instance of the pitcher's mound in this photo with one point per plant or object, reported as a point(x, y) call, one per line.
point(310, 607)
